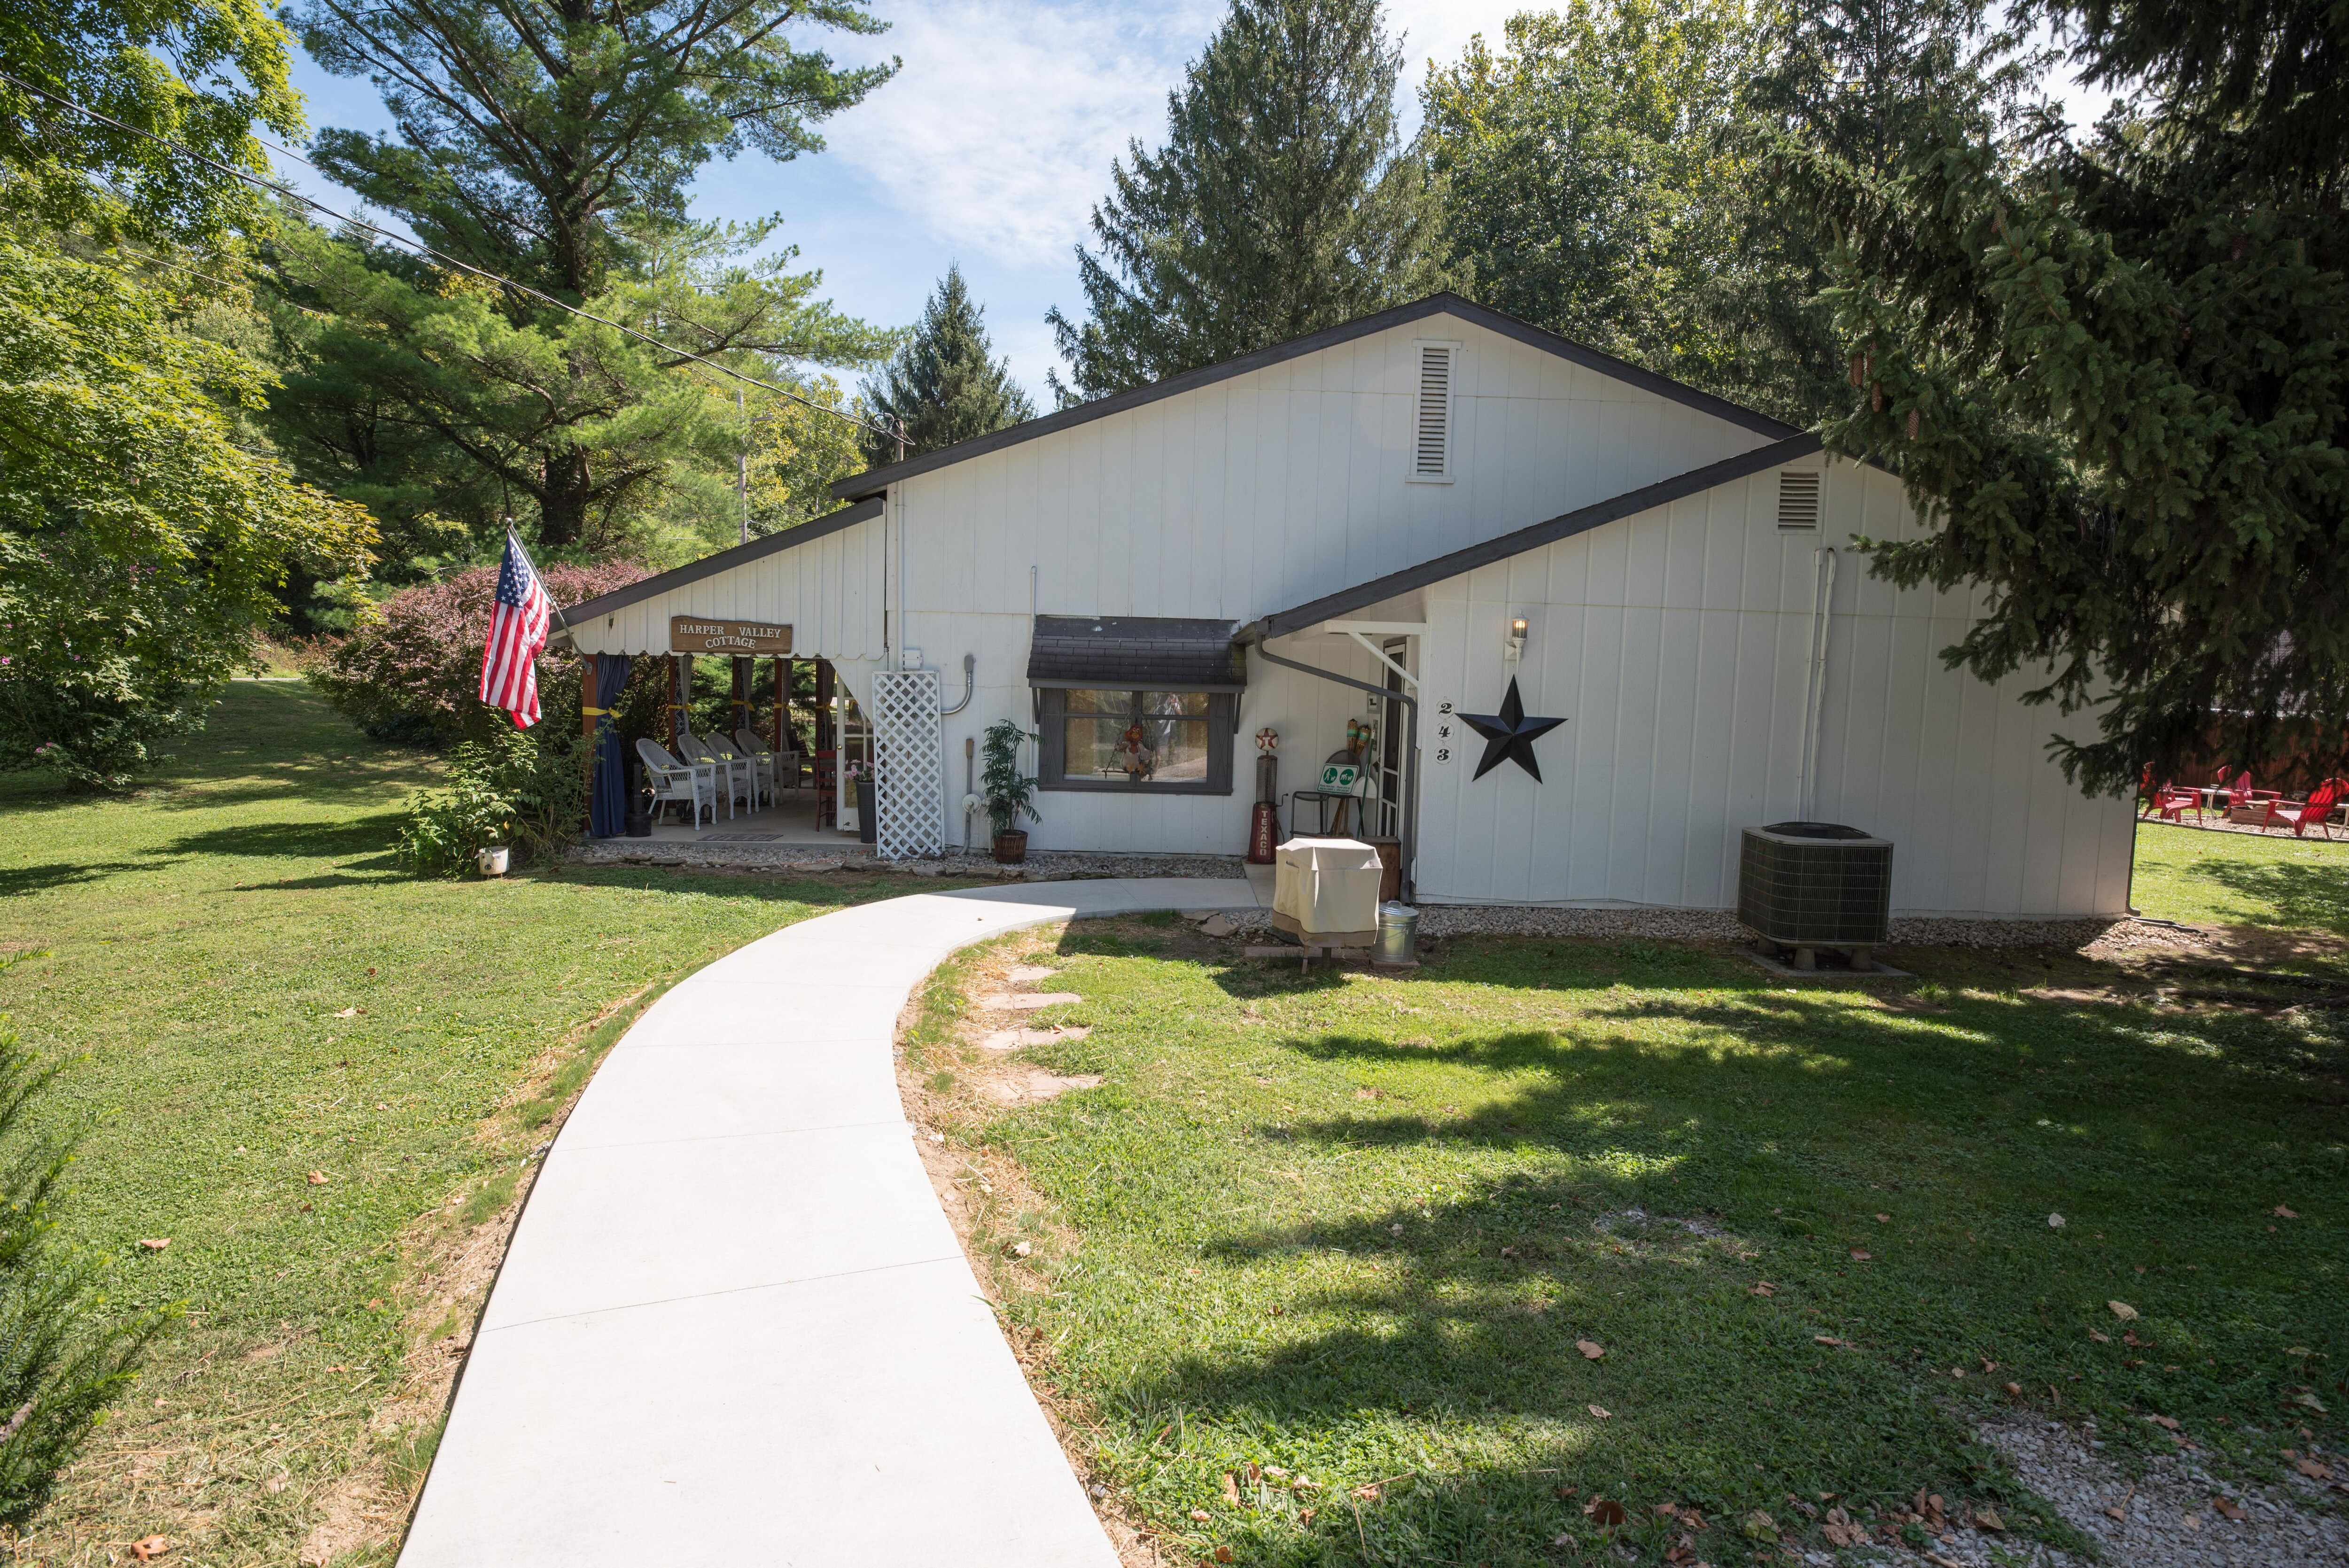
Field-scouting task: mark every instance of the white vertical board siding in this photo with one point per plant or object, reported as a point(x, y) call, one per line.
point(1676, 644)
point(827, 591)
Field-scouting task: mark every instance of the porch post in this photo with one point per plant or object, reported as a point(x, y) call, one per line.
point(782, 704)
point(681, 686)
point(588, 727)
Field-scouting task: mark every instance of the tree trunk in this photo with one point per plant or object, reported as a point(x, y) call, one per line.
point(562, 504)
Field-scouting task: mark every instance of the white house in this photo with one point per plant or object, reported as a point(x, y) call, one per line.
point(1389, 522)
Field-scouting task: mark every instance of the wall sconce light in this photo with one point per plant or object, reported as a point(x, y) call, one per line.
point(1516, 640)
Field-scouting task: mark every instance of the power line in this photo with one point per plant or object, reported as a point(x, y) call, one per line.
point(442, 256)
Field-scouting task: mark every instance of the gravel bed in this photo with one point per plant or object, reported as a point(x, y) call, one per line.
point(1043, 865)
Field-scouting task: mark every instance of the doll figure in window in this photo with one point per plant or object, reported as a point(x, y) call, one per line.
point(1137, 755)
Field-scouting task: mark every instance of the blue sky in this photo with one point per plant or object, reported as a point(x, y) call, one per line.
point(989, 147)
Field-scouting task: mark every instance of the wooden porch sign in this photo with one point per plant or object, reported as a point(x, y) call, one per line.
point(691, 634)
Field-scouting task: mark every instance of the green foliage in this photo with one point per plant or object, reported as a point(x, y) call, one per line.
point(1282, 202)
point(546, 142)
point(140, 549)
point(797, 454)
point(64, 1355)
point(943, 383)
point(197, 72)
point(1009, 793)
point(2117, 373)
point(526, 789)
point(1594, 181)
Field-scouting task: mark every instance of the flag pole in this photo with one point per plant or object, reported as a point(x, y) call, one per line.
point(516, 540)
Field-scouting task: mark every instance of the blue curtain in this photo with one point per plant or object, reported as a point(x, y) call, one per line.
point(607, 803)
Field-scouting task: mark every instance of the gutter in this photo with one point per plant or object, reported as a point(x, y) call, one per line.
point(1257, 635)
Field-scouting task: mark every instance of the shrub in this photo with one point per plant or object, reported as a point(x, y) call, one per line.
point(413, 671)
point(524, 789)
point(63, 1357)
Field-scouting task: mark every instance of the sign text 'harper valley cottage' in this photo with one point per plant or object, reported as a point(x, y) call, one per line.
point(689, 635)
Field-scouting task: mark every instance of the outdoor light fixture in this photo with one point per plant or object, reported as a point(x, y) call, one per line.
point(1516, 640)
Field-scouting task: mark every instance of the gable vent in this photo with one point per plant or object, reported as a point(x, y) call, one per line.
point(1799, 498)
point(1431, 446)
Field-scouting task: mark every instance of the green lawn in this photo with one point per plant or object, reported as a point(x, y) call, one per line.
point(1352, 1227)
point(203, 946)
point(2275, 881)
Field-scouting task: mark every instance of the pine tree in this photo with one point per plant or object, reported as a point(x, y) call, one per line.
point(943, 384)
point(1282, 202)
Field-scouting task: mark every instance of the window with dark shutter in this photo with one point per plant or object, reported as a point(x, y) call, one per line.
point(1431, 443)
point(1799, 498)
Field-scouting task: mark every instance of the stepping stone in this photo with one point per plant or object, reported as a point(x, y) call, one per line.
point(1024, 1087)
point(1217, 926)
point(1028, 1001)
point(1013, 1039)
point(1028, 974)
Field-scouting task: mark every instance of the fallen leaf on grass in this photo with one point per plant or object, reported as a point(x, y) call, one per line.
point(1304, 1516)
point(149, 1548)
point(2100, 1339)
point(317, 1178)
point(2055, 1221)
point(1223, 1554)
point(1199, 1516)
point(2227, 1509)
point(2191, 1523)
point(2117, 1512)
point(1859, 1257)
point(2281, 1213)
point(1937, 1560)
point(1762, 1288)
point(1883, 1219)
point(1761, 1526)
point(348, 1013)
point(1988, 1519)
point(2015, 1389)
point(1827, 1339)
point(2168, 1423)
point(1602, 1415)
point(2123, 1311)
point(1231, 1489)
point(156, 1243)
point(2314, 1470)
point(2310, 1400)
point(1592, 1350)
point(1604, 1512)
point(1842, 1530)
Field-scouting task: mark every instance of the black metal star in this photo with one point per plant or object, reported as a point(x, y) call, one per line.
point(1509, 735)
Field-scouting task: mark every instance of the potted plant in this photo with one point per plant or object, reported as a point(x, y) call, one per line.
point(1009, 793)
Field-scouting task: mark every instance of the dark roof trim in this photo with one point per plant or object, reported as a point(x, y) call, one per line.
point(1582, 520)
point(873, 481)
point(725, 560)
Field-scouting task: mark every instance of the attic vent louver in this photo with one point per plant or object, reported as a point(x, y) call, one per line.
point(1799, 498)
point(1431, 446)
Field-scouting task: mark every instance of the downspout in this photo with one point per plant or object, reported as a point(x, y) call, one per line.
point(1257, 635)
point(1815, 685)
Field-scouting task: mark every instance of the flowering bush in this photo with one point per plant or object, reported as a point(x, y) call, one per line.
point(413, 672)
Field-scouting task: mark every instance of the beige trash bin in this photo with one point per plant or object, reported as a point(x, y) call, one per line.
point(1325, 891)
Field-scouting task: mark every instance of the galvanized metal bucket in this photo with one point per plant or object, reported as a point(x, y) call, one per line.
point(1398, 934)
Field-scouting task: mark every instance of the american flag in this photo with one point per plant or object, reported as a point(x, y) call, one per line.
point(517, 632)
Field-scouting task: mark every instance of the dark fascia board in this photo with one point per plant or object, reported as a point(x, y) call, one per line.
point(873, 481)
point(725, 560)
point(1581, 521)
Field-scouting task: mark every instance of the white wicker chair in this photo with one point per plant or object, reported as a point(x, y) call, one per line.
point(694, 784)
point(762, 760)
point(739, 784)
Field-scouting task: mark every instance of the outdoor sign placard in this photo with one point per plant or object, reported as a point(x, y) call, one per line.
point(692, 634)
point(1338, 778)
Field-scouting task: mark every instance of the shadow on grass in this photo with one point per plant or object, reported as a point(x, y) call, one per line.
point(2296, 896)
point(304, 840)
point(1889, 1173)
point(37, 878)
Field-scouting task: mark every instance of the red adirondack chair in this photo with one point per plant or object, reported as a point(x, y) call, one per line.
point(2172, 803)
point(2316, 809)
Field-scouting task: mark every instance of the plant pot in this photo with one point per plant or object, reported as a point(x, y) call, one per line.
point(639, 823)
point(869, 819)
point(493, 859)
point(1012, 848)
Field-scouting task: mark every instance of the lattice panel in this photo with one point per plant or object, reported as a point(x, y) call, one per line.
point(909, 765)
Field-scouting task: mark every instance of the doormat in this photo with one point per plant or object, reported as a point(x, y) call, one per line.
point(738, 839)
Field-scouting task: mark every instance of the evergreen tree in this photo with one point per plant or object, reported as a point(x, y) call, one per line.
point(2117, 373)
point(942, 383)
point(1282, 202)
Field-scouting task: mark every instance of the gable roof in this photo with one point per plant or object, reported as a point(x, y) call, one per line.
point(873, 481)
point(724, 561)
point(1346, 601)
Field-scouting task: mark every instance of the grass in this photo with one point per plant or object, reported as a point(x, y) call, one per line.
point(1352, 1227)
point(2277, 883)
point(256, 994)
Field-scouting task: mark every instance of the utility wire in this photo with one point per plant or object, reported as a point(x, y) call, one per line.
point(442, 256)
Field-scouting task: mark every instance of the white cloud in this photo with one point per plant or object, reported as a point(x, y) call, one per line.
point(998, 134)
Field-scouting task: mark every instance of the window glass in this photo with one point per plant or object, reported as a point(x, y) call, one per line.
point(1172, 734)
point(1093, 733)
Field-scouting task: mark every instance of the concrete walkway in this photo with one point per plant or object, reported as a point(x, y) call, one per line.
point(734, 1324)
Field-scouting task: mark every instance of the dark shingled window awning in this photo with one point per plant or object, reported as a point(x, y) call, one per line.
point(1135, 653)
